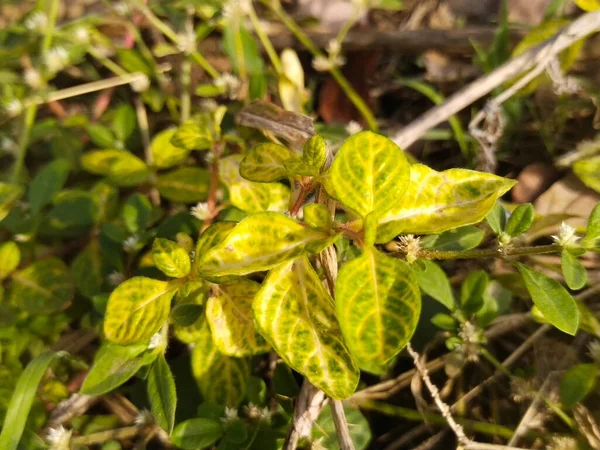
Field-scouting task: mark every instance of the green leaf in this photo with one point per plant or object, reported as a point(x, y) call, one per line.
point(250, 196)
point(573, 271)
point(185, 185)
point(106, 198)
point(358, 428)
point(588, 171)
point(121, 167)
point(194, 434)
point(73, 209)
point(212, 236)
point(520, 220)
point(472, 292)
point(229, 314)
point(164, 153)
point(113, 366)
point(297, 167)
point(496, 218)
point(369, 174)
point(314, 152)
point(10, 257)
point(123, 122)
point(577, 383)
point(317, 216)
point(136, 212)
point(46, 183)
point(22, 399)
point(9, 195)
point(434, 282)
point(161, 393)
point(196, 134)
point(137, 309)
point(261, 242)
point(439, 201)
point(378, 304)
point(296, 315)
point(171, 258)
point(257, 390)
point(444, 321)
point(101, 136)
point(462, 238)
point(554, 302)
point(87, 270)
point(221, 379)
point(44, 287)
point(593, 228)
point(186, 314)
point(264, 163)
point(209, 90)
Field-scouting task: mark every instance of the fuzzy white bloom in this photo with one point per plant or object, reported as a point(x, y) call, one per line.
point(22, 237)
point(265, 415)
point(59, 438)
point(186, 42)
point(121, 8)
point(334, 47)
point(141, 83)
point(209, 105)
point(231, 414)
point(566, 236)
point(353, 127)
point(322, 64)
point(13, 107)
point(235, 9)
point(7, 145)
point(130, 244)
point(115, 278)
point(33, 78)
point(209, 157)
point(200, 211)
point(410, 246)
point(38, 21)
point(81, 35)
point(471, 338)
point(143, 418)
point(594, 350)
point(230, 84)
point(56, 59)
point(562, 443)
point(157, 340)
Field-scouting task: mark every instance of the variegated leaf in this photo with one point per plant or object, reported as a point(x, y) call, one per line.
point(296, 314)
point(222, 379)
point(193, 292)
point(229, 314)
point(137, 309)
point(264, 163)
point(260, 242)
point(164, 153)
point(378, 304)
point(368, 175)
point(314, 152)
point(251, 196)
point(439, 201)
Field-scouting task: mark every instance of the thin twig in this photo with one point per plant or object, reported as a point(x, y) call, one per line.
point(309, 404)
point(578, 29)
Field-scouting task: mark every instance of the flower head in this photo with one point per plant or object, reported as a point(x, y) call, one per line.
point(410, 246)
point(201, 211)
point(131, 244)
point(566, 236)
point(594, 350)
point(353, 127)
point(231, 414)
point(33, 78)
point(81, 35)
point(13, 107)
point(141, 83)
point(59, 438)
point(38, 21)
point(115, 278)
point(156, 341)
point(56, 59)
point(235, 9)
point(334, 47)
point(143, 418)
point(230, 84)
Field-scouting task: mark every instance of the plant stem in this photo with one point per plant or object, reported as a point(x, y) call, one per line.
point(103, 436)
point(354, 97)
point(186, 99)
point(265, 41)
point(486, 253)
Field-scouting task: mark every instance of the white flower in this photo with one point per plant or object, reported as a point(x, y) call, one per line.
point(81, 35)
point(566, 236)
point(353, 127)
point(115, 278)
point(230, 84)
point(234, 9)
point(59, 438)
point(13, 107)
point(7, 145)
point(143, 418)
point(334, 47)
point(265, 415)
point(186, 42)
point(594, 350)
point(56, 59)
point(156, 341)
point(209, 105)
point(141, 83)
point(130, 244)
point(33, 78)
point(410, 246)
point(231, 414)
point(471, 338)
point(200, 211)
point(121, 8)
point(38, 21)
point(321, 64)
point(252, 411)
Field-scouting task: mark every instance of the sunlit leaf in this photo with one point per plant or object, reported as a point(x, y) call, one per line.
point(438, 201)
point(87, 270)
point(10, 257)
point(434, 282)
point(196, 134)
point(577, 383)
point(136, 212)
point(171, 258)
point(573, 271)
point(164, 153)
point(229, 314)
point(291, 82)
point(137, 309)
point(264, 163)
point(296, 315)
point(496, 218)
point(314, 152)
point(161, 393)
point(185, 185)
point(317, 216)
point(199, 433)
point(44, 287)
point(369, 174)
point(593, 228)
point(457, 239)
point(378, 302)
point(588, 5)
point(520, 220)
point(9, 194)
point(120, 166)
point(260, 242)
point(588, 171)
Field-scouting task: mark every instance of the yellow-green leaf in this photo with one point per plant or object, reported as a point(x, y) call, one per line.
point(264, 163)
point(129, 171)
point(369, 174)
point(378, 303)
point(260, 242)
point(164, 153)
point(10, 257)
point(171, 258)
point(439, 201)
point(99, 162)
point(221, 379)
point(291, 82)
point(314, 152)
point(213, 235)
point(195, 134)
point(229, 314)
point(185, 185)
point(296, 314)
point(9, 194)
point(588, 5)
point(194, 292)
point(317, 216)
point(87, 270)
point(137, 309)
point(44, 287)
point(588, 171)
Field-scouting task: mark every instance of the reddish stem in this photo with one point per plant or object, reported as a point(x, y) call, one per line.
point(304, 191)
